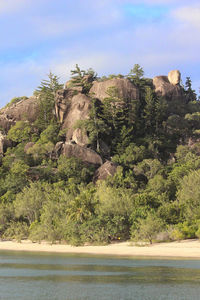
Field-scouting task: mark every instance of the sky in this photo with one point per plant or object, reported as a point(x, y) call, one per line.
point(110, 36)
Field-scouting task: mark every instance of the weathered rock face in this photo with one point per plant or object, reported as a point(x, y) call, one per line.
point(69, 109)
point(5, 122)
point(85, 154)
point(79, 110)
point(125, 89)
point(4, 144)
point(174, 77)
point(62, 103)
point(107, 169)
point(79, 137)
point(163, 87)
point(22, 110)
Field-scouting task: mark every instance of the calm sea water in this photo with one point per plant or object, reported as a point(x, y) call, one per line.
point(39, 276)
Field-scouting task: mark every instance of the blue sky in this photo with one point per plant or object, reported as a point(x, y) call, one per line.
point(38, 36)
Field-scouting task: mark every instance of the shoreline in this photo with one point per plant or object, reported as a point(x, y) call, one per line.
point(183, 249)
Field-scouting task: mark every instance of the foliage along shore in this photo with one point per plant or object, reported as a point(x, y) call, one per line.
point(154, 193)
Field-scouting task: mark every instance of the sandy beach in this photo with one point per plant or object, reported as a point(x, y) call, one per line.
point(182, 249)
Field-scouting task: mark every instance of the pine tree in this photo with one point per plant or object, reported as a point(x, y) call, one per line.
point(149, 110)
point(46, 93)
point(137, 71)
point(190, 93)
point(82, 78)
point(95, 126)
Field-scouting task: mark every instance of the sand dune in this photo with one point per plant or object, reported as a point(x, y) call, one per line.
point(184, 249)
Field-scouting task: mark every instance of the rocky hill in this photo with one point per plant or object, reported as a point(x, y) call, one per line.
point(72, 105)
point(100, 159)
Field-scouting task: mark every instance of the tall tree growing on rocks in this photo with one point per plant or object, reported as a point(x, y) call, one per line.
point(82, 78)
point(46, 93)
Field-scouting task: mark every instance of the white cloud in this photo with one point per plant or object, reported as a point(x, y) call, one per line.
point(50, 26)
point(9, 6)
point(87, 16)
point(188, 15)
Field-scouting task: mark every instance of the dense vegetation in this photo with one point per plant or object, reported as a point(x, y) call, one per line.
point(155, 193)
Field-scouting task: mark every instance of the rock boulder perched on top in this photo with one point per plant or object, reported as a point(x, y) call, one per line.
point(174, 77)
point(124, 88)
point(169, 87)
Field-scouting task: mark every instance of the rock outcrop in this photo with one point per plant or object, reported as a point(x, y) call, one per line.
point(79, 137)
point(107, 169)
point(174, 77)
point(85, 154)
point(23, 110)
point(72, 105)
point(169, 86)
point(4, 144)
point(79, 109)
point(62, 103)
point(69, 109)
point(124, 88)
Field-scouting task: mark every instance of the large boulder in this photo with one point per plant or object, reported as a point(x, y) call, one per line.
point(169, 86)
point(124, 88)
point(174, 77)
point(71, 108)
point(85, 154)
point(26, 109)
point(107, 169)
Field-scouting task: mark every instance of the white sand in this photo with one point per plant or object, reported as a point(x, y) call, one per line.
point(184, 249)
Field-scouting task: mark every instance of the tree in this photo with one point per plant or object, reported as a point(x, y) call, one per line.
point(20, 132)
point(52, 221)
point(46, 93)
point(149, 110)
point(95, 126)
point(29, 202)
point(188, 195)
point(148, 228)
point(17, 177)
point(82, 78)
point(137, 71)
point(148, 168)
point(73, 168)
point(82, 207)
point(190, 93)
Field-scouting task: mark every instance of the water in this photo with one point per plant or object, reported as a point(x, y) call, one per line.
point(39, 276)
